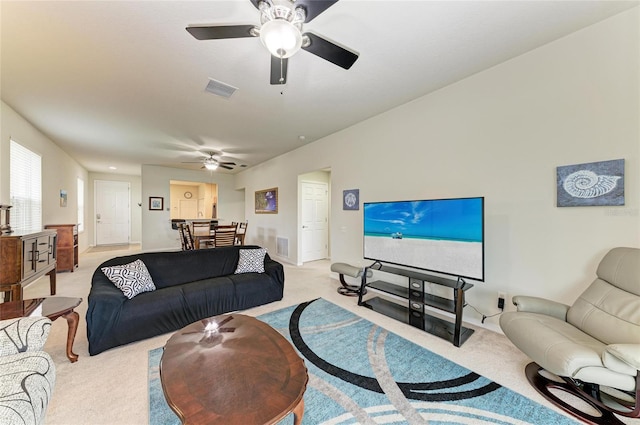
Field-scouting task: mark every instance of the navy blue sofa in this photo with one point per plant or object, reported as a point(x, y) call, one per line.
point(190, 286)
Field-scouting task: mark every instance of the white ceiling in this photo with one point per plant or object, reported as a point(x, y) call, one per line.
point(121, 83)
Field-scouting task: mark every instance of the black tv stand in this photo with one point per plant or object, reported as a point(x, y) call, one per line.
point(414, 312)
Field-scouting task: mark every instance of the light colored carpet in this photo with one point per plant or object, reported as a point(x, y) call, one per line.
point(111, 248)
point(111, 388)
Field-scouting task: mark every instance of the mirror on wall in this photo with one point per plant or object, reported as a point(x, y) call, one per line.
point(193, 200)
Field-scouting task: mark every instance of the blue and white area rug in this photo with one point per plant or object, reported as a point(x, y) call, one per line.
point(360, 373)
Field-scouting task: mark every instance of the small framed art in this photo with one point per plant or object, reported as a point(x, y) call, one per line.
point(156, 203)
point(351, 199)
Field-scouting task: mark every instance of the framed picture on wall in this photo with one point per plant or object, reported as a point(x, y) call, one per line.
point(266, 201)
point(156, 203)
point(591, 184)
point(351, 199)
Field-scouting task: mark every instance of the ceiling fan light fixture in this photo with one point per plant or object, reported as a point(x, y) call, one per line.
point(282, 38)
point(211, 164)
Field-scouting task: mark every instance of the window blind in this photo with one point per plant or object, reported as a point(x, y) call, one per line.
point(80, 205)
point(25, 175)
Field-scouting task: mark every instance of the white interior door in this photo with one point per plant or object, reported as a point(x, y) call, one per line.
point(113, 212)
point(315, 221)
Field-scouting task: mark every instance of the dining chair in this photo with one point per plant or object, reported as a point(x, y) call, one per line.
point(203, 234)
point(224, 235)
point(241, 231)
point(186, 239)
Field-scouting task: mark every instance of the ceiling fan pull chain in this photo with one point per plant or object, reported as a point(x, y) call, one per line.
point(281, 70)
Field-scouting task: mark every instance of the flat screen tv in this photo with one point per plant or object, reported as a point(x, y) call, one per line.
point(439, 235)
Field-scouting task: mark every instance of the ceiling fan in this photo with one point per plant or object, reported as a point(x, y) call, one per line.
point(280, 31)
point(211, 163)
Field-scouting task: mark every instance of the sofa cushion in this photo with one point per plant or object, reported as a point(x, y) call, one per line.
point(149, 314)
point(255, 288)
point(132, 278)
point(562, 348)
point(204, 297)
point(251, 261)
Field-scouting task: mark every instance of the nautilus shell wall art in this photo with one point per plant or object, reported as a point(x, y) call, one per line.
point(596, 183)
point(587, 184)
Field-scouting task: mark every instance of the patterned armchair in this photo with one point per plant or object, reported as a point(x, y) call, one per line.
point(27, 374)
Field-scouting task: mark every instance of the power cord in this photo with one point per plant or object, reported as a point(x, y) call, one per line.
point(484, 316)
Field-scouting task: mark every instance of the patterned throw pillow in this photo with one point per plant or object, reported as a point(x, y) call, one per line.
point(132, 279)
point(251, 261)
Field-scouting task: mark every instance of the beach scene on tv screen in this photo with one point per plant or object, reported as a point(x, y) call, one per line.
point(444, 235)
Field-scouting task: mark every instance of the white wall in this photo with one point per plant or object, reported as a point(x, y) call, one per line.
point(499, 134)
point(283, 173)
point(157, 233)
point(59, 171)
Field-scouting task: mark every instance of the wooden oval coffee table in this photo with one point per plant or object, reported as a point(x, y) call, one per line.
point(232, 369)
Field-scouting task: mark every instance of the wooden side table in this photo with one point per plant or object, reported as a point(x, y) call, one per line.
point(67, 246)
point(51, 307)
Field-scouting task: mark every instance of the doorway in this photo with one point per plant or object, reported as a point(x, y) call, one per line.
point(112, 212)
point(314, 216)
point(193, 200)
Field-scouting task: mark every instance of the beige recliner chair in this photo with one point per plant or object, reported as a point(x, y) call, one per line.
point(593, 345)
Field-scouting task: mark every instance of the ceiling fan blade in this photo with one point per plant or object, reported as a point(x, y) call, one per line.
point(215, 32)
point(278, 70)
point(224, 166)
point(312, 7)
point(227, 163)
point(329, 51)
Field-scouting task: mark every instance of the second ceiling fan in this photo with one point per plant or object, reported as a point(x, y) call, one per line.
point(212, 163)
point(280, 30)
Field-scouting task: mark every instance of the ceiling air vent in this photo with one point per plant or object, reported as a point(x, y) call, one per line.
point(219, 88)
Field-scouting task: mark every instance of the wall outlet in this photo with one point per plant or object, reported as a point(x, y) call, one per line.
point(501, 298)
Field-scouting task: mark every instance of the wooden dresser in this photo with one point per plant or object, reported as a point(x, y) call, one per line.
point(67, 247)
point(25, 257)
